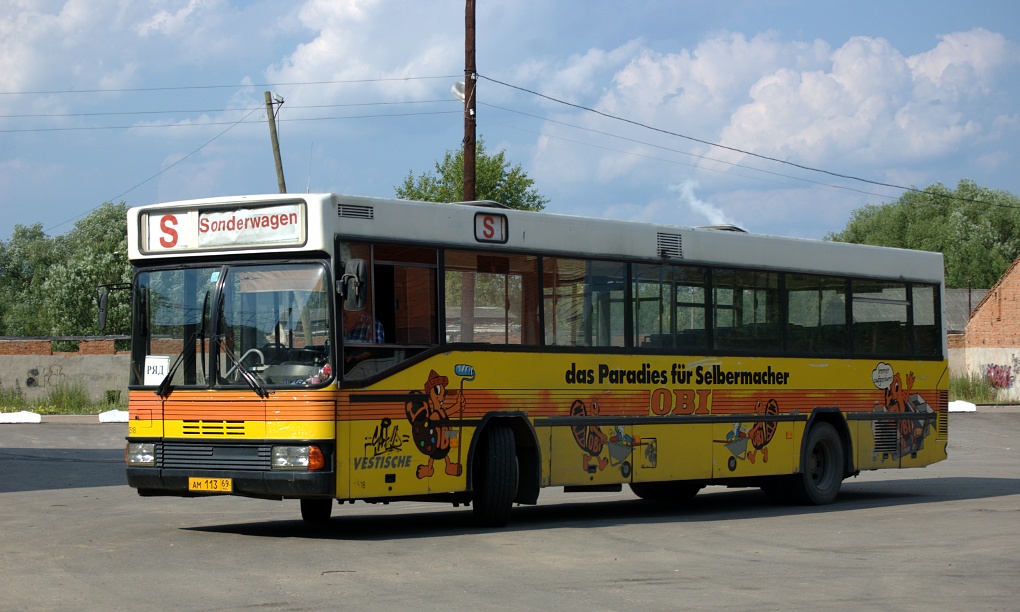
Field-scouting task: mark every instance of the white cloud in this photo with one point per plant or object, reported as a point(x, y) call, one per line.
point(690, 91)
point(990, 162)
point(169, 23)
point(962, 63)
point(862, 105)
point(871, 104)
point(355, 39)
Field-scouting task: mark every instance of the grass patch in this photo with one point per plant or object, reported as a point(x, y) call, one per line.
point(973, 388)
point(12, 400)
point(65, 398)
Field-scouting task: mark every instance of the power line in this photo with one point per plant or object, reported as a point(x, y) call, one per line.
point(233, 86)
point(213, 123)
point(124, 193)
point(725, 147)
point(211, 110)
point(671, 150)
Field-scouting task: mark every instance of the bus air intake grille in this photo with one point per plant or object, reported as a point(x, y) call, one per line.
point(886, 437)
point(355, 211)
point(669, 246)
point(942, 416)
point(213, 428)
point(215, 456)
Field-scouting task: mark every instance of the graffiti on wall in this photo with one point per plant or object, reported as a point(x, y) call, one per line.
point(47, 376)
point(999, 376)
point(1002, 376)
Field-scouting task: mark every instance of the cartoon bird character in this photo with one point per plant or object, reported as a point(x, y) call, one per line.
point(590, 438)
point(429, 416)
point(897, 399)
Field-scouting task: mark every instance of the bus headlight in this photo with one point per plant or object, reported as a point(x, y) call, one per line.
point(298, 458)
point(140, 453)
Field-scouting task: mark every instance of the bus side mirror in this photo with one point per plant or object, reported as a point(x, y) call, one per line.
point(103, 299)
point(352, 286)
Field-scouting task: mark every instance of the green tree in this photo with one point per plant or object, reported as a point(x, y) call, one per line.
point(48, 285)
point(976, 229)
point(25, 261)
point(495, 179)
point(96, 254)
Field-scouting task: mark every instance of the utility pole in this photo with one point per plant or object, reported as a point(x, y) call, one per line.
point(467, 291)
point(470, 78)
point(276, 143)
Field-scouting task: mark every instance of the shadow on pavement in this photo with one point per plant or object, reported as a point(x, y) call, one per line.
point(40, 469)
point(719, 505)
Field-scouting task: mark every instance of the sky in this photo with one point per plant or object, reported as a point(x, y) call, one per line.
point(779, 116)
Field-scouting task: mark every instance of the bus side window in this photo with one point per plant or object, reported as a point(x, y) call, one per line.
point(400, 314)
point(406, 294)
point(491, 299)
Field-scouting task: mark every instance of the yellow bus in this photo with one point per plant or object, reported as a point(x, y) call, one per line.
point(326, 347)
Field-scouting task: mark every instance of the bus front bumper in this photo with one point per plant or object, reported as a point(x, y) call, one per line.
point(152, 481)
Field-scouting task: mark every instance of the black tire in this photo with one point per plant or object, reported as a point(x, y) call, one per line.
point(821, 468)
point(495, 477)
point(316, 510)
point(673, 492)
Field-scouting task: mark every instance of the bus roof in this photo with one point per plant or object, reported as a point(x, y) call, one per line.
point(236, 225)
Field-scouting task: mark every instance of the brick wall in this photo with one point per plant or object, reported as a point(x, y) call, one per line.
point(993, 335)
point(995, 322)
point(87, 345)
point(25, 346)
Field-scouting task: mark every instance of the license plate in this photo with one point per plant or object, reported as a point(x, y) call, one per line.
point(211, 485)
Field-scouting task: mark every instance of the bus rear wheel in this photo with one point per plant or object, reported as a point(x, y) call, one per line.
point(316, 510)
point(821, 467)
point(674, 492)
point(495, 474)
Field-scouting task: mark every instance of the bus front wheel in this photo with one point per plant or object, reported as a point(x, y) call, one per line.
point(495, 474)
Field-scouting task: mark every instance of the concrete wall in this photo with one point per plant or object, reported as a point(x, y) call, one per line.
point(31, 365)
point(957, 356)
point(1000, 366)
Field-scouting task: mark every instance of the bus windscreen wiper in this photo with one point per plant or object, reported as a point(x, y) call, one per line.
point(165, 387)
point(249, 377)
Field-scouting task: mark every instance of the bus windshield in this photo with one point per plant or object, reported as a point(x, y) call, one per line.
point(258, 326)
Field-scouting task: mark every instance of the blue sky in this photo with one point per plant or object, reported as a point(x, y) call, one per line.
point(111, 100)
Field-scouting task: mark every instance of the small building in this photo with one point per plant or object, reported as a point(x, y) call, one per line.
point(992, 335)
point(960, 303)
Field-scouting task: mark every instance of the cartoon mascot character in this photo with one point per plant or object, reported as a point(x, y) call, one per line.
point(429, 415)
point(590, 438)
